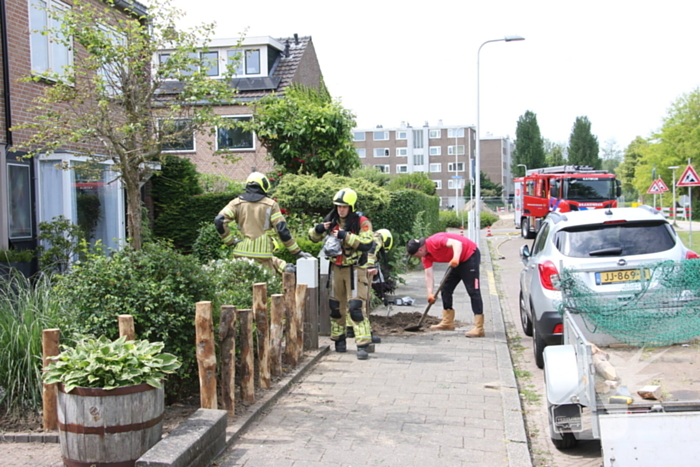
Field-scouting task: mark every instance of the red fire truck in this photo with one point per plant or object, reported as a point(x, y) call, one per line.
point(562, 188)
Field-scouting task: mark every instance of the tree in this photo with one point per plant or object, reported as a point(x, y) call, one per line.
point(306, 132)
point(626, 170)
point(612, 156)
point(110, 106)
point(554, 153)
point(583, 145)
point(529, 146)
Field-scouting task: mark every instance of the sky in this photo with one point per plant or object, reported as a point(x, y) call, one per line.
point(620, 63)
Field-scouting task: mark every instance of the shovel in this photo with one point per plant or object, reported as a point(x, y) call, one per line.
point(416, 328)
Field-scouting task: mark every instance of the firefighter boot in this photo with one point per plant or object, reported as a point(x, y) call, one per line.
point(341, 345)
point(350, 332)
point(376, 339)
point(362, 353)
point(447, 323)
point(478, 330)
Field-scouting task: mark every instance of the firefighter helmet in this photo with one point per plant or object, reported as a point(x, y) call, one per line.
point(346, 197)
point(260, 179)
point(387, 239)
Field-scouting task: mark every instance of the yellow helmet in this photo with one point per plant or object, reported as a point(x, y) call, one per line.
point(387, 239)
point(346, 197)
point(260, 179)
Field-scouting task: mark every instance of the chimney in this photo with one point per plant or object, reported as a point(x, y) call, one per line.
point(286, 48)
point(426, 124)
point(296, 39)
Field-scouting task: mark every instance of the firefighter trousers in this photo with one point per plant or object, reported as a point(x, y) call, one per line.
point(348, 296)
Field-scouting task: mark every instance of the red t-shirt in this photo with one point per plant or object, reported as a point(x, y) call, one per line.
point(439, 252)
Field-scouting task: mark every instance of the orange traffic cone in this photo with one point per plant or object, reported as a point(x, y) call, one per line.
point(488, 231)
point(461, 232)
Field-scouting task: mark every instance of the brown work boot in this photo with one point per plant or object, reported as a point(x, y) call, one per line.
point(478, 330)
point(447, 323)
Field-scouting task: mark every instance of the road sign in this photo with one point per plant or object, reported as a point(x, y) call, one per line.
point(689, 178)
point(661, 185)
point(456, 177)
point(655, 188)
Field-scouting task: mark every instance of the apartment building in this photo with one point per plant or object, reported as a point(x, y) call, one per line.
point(444, 152)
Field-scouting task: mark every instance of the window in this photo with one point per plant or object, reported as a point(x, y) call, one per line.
point(361, 153)
point(451, 150)
point(381, 136)
point(358, 136)
point(236, 137)
point(418, 139)
point(455, 132)
point(177, 135)
point(48, 54)
point(401, 152)
point(210, 63)
point(436, 168)
point(435, 134)
point(381, 152)
point(233, 57)
point(435, 150)
point(401, 134)
point(418, 159)
point(110, 71)
point(401, 168)
point(438, 184)
point(19, 190)
point(244, 61)
point(451, 167)
point(252, 62)
point(452, 184)
point(383, 168)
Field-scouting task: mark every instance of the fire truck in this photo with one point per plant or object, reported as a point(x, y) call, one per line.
point(563, 188)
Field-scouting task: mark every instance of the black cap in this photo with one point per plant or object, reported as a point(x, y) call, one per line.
point(414, 245)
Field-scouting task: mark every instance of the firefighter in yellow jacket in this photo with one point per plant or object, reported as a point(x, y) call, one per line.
point(256, 224)
point(350, 284)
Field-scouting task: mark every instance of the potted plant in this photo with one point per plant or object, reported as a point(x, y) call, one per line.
point(16, 259)
point(110, 399)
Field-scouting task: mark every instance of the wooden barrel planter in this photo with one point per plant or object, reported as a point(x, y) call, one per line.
point(109, 428)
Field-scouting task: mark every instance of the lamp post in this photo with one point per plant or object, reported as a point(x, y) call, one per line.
point(673, 209)
point(477, 154)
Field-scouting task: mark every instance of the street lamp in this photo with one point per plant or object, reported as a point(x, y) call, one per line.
point(477, 161)
point(673, 209)
point(525, 166)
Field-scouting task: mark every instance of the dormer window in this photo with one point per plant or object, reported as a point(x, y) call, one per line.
point(246, 62)
point(210, 60)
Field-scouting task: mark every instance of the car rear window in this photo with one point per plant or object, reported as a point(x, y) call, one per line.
point(630, 238)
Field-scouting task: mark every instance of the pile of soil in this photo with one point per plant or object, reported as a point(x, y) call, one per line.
point(395, 324)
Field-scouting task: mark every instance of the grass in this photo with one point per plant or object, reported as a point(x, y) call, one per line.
point(685, 236)
point(26, 309)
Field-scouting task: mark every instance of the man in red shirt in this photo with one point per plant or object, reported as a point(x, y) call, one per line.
point(464, 258)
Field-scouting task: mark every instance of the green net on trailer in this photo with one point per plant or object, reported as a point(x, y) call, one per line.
point(661, 309)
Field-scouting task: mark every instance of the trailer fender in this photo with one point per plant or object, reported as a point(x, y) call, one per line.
point(561, 374)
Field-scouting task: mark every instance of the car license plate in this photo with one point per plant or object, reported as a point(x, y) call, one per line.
point(625, 275)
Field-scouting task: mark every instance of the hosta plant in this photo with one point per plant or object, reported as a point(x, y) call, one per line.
point(106, 364)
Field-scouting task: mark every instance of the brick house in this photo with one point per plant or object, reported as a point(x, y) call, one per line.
point(36, 190)
point(264, 65)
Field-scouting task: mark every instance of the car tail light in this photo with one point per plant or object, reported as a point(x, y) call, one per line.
point(558, 329)
point(548, 274)
point(690, 254)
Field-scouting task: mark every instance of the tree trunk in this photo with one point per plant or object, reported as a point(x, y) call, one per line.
point(133, 206)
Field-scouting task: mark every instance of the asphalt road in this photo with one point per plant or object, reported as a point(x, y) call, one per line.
point(505, 243)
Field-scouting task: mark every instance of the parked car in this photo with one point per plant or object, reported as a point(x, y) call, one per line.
point(607, 246)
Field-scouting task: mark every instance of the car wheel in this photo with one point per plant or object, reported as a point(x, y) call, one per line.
point(567, 441)
point(524, 317)
point(525, 229)
point(538, 345)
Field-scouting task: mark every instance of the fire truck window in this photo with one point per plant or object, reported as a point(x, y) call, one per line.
point(554, 190)
point(530, 188)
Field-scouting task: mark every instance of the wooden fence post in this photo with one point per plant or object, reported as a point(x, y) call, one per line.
point(227, 337)
point(276, 334)
point(126, 327)
point(206, 356)
point(49, 345)
point(300, 300)
point(307, 273)
point(260, 310)
point(290, 329)
point(247, 365)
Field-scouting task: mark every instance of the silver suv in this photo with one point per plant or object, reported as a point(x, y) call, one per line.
point(606, 246)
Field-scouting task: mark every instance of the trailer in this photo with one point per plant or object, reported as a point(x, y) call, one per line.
point(641, 402)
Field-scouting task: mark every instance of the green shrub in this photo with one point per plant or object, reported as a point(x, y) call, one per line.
point(371, 174)
point(452, 219)
point(403, 211)
point(208, 246)
point(156, 285)
point(64, 239)
point(233, 281)
point(414, 181)
point(488, 219)
point(212, 183)
point(305, 244)
point(26, 309)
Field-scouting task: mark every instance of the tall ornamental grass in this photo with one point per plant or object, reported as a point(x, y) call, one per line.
point(26, 308)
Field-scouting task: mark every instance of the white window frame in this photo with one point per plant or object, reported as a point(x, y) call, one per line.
point(194, 140)
point(418, 159)
point(455, 132)
point(435, 168)
point(451, 150)
point(451, 166)
point(435, 150)
point(247, 149)
point(434, 134)
point(383, 152)
point(401, 152)
point(380, 136)
point(438, 184)
point(50, 46)
point(356, 136)
point(401, 168)
point(361, 153)
point(383, 168)
point(451, 184)
point(401, 135)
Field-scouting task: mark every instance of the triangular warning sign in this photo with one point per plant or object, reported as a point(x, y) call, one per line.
point(689, 177)
point(654, 189)
point(660, 185)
